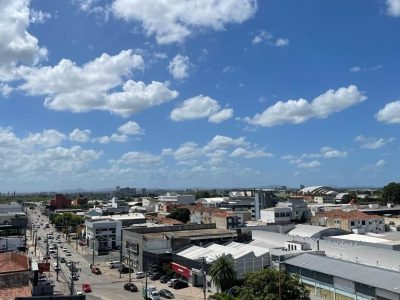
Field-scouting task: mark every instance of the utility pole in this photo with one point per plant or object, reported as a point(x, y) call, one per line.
point(120, 257)
point(203, 271)
point(35, 241)
point(129, 264)
point(72, 278)
point(58, 266)
point(93, 243)
point(47, 248)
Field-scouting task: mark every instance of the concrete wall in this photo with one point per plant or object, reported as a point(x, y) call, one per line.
point(15, 279)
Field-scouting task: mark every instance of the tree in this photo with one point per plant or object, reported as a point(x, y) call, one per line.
point(223, 273)
point(391, 193)
point(264, 285)
point(180, 214)
point(202, 194)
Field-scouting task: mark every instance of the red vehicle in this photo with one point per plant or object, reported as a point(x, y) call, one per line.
point(96, 271)
point(86, 287)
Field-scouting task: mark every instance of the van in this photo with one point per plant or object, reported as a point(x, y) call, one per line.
point(114, 264)
point(140, 275)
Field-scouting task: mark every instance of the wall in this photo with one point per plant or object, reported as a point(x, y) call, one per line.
point(15, 279)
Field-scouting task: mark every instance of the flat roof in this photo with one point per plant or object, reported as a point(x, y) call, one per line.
point(376, 277)
point(192, 234)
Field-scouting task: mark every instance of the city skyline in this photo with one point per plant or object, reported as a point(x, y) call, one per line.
point(96, 94)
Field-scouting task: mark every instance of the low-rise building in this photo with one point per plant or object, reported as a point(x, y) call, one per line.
point(299, 209)
point(352, 221)
point(276, 215)
point(176, 198)
point(14, 273)
point(59, 202)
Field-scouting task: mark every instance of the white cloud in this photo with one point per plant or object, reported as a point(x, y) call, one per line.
point(5, 89)
point(17, 45)
point(281, 42)
point(223, 142)
point(267, 38)
point(200, 107)
point(390, 113)
point(355, 69)
point(174, 22)
point(393, 7)
point(80, 136)
point(179, 67)
point(37, 16)
point(135, 157)
point(299, 111)
point(131, 128)
point(93, 86)
point(48, 138)
point(221, 116)
point(241, 152)
point(310, 165)
point(372, 142)
point(117, 138)
point(328, 152)
point(378, 165)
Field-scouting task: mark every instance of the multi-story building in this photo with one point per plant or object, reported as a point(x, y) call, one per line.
point(230, 219)
point(103, 234)
point(59, 202)
point(176, 198)
point(352, 221)
point(276, 215)
point(298, 207)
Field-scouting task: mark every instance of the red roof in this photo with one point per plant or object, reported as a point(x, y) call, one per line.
point(13, 262)
point(350, 215)
point(10, 294)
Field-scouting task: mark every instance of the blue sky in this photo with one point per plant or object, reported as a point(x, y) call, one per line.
point(175, 93)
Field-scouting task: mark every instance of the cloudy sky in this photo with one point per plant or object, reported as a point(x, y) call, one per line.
point(199, 93)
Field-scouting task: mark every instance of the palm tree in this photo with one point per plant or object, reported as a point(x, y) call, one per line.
point(223, 273)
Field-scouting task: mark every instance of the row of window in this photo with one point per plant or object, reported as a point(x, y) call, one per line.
point(282, 214)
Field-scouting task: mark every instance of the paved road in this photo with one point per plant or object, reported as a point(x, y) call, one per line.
point(107, 286)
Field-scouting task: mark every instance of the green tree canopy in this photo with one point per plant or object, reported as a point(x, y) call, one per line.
point(223, 273)
point(264, 285)
point(180, 214)
point(391, 193)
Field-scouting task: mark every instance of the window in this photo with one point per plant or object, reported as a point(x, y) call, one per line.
point(288, 214)
point(363, 222)
point(276, 215)
point(352, 223)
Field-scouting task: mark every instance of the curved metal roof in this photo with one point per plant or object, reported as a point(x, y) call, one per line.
point(319, 190)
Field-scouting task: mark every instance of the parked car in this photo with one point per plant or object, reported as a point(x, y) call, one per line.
point(155, 276)
point(86, 287)
point(67, 253)
point(62, 259)
point(114, 264)
point(96, 270)
point(140, 275)
point(166, 294)
point(39, 238)
point(180, 284)
point(171, 282)
point(125, 270)
point(129, 286)
point(165, 278)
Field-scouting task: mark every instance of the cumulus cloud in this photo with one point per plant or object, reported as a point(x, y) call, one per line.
point(200, 107)
point(40, 153)
point(390, 113)
point(115, 137)
point(393, 7)
point(267, 38)
point(221, 116)
point(5, 89)
point(376, 166)
point(241, 152)
point(179, 67)
point(175, 22)
point(131, 128)
point(372, 142)
point(300, 111)
point(47, 138)
point(329, 152)
point(93, 86)
point(310, 165)
point(17, 45)
point(222, 142)
point(135, 157)
point(38, 16)
point(80, 136)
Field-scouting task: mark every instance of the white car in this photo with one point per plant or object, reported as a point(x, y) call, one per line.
point(65, 249)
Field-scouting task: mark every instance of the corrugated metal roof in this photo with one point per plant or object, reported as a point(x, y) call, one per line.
point(384, 279)
point(307, 230)
point(368, 255)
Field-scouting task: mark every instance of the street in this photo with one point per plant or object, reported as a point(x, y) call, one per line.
point(107, 285)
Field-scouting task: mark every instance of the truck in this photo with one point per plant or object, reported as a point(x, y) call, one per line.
point(151, 293)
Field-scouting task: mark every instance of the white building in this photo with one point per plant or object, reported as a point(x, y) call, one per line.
point(175, 198)
point(298, 207)
point(276, 215)
point(104, 234)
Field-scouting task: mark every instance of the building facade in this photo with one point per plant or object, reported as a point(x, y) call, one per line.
point(103, 235)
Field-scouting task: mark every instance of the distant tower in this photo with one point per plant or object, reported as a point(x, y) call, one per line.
point(117, 188)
